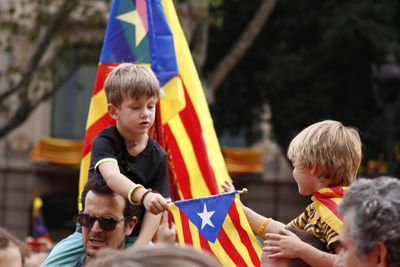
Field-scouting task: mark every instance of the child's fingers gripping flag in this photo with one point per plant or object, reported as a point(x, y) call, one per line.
point(218, 225)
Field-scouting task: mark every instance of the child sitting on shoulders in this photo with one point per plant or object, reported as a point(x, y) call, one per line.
point(130, 161)
point(325, 157)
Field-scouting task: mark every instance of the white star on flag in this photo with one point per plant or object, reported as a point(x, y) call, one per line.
point(134, 19)
point(206, 217)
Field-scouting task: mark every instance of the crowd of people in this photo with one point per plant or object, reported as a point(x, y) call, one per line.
point(124, 216)
point(370, 235)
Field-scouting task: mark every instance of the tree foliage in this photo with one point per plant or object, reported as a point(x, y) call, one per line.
point(34, 38)
point(311, 62)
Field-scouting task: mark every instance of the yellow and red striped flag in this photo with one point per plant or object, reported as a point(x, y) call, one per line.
point(148, 32)
point(326, 201)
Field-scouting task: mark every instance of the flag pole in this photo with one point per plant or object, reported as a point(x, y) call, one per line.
point(243, 191)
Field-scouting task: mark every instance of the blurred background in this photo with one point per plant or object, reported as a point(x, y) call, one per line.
point(269, 69)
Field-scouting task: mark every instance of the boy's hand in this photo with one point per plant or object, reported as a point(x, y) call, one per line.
point(286, 245)
point(166, 234)
point(228, 187)
point(155, 203)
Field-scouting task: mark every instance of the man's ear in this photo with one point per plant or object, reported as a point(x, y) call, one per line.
point(130, 225)
point(378, 256)
point(112, 110)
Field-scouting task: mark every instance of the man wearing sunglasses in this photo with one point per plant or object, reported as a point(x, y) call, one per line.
point(106, 219)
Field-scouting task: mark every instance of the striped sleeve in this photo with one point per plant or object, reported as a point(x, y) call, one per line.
point(302, 220)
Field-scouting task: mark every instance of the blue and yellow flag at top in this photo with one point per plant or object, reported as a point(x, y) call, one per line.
point(152, 42)
point(147, 32)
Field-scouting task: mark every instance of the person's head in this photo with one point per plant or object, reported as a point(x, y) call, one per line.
point(132, 93)
point(328, 151)
point(371, 225)
point(11, 253)
point(304, 236)
point(159, 255)
point(106, 219)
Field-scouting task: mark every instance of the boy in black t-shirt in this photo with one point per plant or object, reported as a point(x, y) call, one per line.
point(128, 159)
point(131, 162)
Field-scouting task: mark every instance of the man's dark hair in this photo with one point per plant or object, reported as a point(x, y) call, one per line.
point(98, 185)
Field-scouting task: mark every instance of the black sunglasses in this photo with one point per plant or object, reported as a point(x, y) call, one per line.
point(106, 223)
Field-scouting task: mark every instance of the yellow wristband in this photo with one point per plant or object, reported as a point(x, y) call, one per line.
point(137, 186)
point(263, 225)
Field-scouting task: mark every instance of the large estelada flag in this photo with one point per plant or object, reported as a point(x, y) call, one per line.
point(148, 32)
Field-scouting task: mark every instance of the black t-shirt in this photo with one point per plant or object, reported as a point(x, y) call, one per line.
point(149, 168)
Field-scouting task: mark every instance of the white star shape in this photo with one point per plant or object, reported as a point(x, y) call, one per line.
point(206, 217)
point(133, 18)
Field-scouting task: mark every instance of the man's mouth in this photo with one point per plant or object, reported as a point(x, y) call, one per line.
point(97, 242)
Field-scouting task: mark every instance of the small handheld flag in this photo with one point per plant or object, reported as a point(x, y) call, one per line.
point(216, 224)
point(207, 213)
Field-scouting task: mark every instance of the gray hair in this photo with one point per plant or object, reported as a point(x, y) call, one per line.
point(376, 207)
point(158, 255)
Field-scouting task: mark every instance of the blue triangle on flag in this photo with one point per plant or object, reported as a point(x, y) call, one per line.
point(207, 213)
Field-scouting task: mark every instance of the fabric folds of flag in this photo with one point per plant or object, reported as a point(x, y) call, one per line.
point(326, 201)
point(148, 32)
point(212, 224)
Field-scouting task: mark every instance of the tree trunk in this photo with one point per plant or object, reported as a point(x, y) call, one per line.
point(239, 49)
point(192, 16)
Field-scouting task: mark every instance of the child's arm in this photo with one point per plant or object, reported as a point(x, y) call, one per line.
point(149, 227)
point(258, 223)
point(288, 245)
point(120, 184)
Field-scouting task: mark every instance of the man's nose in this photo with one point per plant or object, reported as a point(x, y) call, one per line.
point(96, 227)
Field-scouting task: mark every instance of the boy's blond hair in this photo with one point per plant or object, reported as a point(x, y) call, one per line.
point(128, 79)
point(332, 147)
